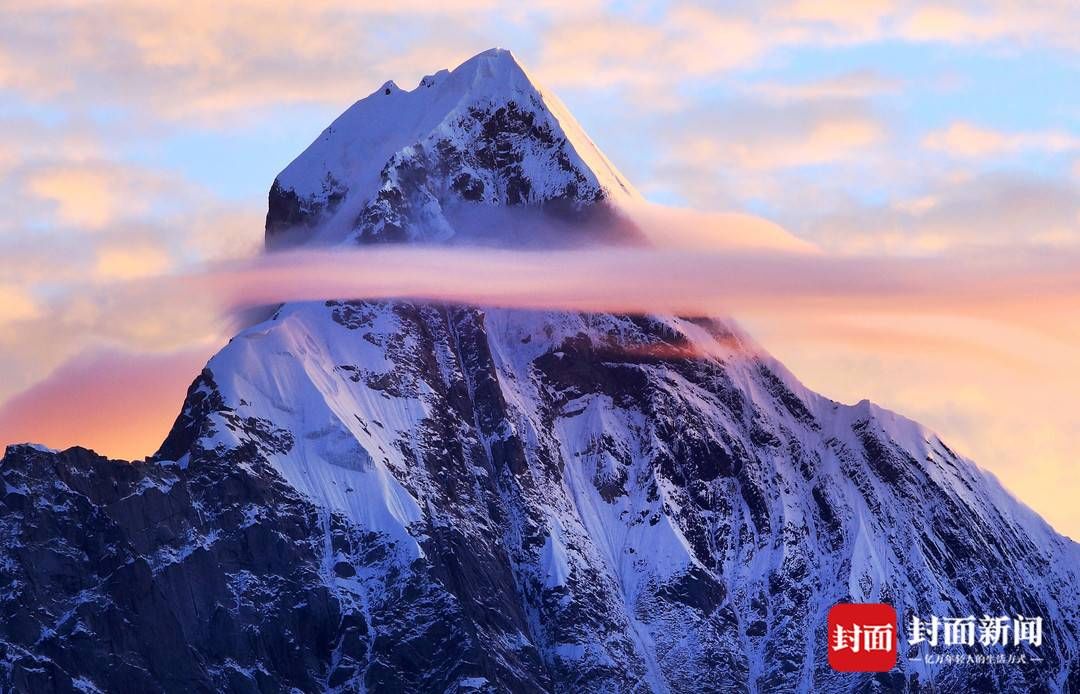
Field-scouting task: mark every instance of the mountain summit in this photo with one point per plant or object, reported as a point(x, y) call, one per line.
point(406, 497)
point(398, 164)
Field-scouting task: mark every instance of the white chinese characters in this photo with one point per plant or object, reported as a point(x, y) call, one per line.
point(863, 638)
point(966, 631)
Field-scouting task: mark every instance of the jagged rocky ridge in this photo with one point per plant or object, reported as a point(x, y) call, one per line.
point(391, 496)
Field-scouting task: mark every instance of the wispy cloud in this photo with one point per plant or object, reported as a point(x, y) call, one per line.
point(964, 139)
point(688, 43)
point(849, 86)
point(995, 210)
point(78, 221)
point(1053, 22)
point(207, 60)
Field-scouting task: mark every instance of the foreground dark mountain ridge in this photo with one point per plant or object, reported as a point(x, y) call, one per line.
point(394, 496)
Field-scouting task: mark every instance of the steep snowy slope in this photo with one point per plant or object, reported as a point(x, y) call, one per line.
point(662, 503)
point(392, 496)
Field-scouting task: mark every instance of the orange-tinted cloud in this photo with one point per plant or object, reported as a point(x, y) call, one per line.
point(16, 304)
point(1055, 22)
point(119, 403)
point(128, 261)
point(84, 198)
point(755, 139)
point(94, 195)
point(204, 60)
point(968, 140)
point(850, 85)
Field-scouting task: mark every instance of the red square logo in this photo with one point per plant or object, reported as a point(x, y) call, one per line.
point(862, 637)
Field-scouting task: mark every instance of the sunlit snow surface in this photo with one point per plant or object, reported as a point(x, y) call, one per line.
point(807, 506)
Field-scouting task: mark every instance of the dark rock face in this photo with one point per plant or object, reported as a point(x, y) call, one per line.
point(284, 211)
point(148, 577)
point(482, 163)
point(290, 219)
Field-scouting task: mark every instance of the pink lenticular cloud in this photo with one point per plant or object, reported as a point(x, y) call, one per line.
point(651, 280)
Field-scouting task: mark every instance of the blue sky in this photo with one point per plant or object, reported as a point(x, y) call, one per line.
point(997, 87)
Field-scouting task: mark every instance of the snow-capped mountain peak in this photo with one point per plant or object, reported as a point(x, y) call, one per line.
point(400, 165)
point(394, 496)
